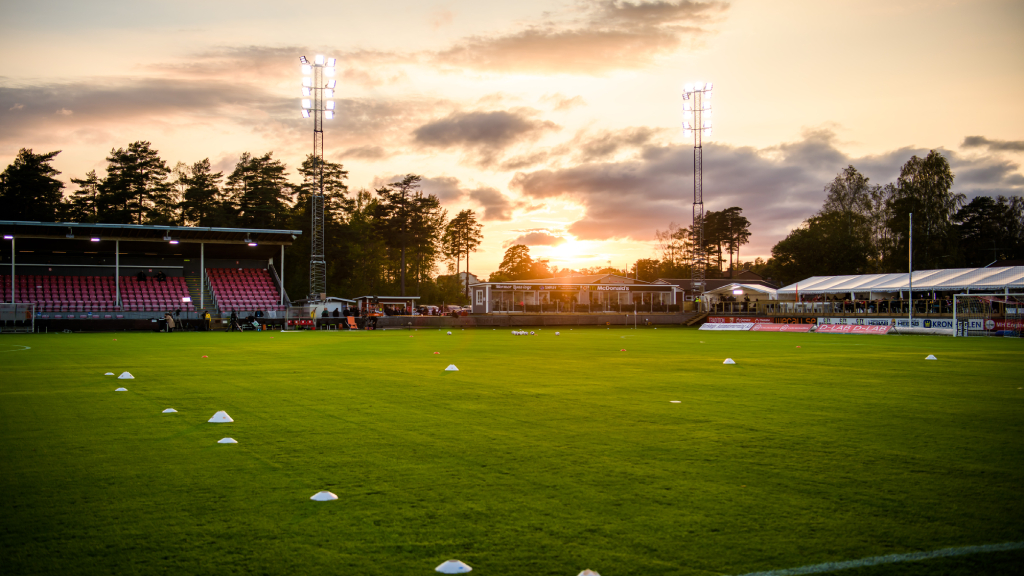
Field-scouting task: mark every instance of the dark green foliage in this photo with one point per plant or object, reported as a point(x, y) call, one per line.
point(202, 200)
point(821, 247)
point(991, 229)
point(28, 189)
point(260, 191)
point(543, 455)
point(135, 189)
point(924, 189)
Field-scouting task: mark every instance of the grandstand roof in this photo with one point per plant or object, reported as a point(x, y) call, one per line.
point(945, 280)
point(145, 233)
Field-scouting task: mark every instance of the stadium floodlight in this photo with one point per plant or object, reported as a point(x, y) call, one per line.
point(303, 60)
point(306, 91)
point(307, 69)
point(697, 123)
point(320, 108)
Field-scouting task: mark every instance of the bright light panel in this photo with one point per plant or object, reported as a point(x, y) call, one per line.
point(252, 244)
point(330, 105)
point(331, 61)
point(328, 71)
point(706, 106)
point(174, 241)
point(303, 60)
point(319, 59)
point(708, 86)
point(305, 113)
point(328, 93)
point(329, 114)
point(95, 239)
point(332, 83)
point(307, 69)
point(737, 291)
point(306, 103)
point(306, 91)
point(7, 237)
point(307, 81)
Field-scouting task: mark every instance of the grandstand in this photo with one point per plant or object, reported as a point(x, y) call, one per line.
point(111, 272)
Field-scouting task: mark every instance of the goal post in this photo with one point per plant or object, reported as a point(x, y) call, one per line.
point(988, 314)
point(18, 317)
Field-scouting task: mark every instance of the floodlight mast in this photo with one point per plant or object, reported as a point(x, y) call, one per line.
point(313, 85)
point(697, 120)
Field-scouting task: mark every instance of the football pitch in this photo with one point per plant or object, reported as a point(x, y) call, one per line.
point(541, 455)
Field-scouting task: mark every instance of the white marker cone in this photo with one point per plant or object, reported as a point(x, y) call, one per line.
point(588, 572)
point(452, 567)
point(170, 411)
point(557, 334)
point(126, 376)
point(121, 390)
point(227, 441)
point(109, 374)
point(931, 357)
point(728, 361)
point(451, 368)
point(324, 496)
point(220, 416)
point(675, 401)
point(449, 332)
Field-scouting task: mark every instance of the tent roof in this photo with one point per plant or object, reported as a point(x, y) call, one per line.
point(945, 280)
point(728, 288)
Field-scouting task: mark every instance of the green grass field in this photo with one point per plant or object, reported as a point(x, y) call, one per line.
point(543, 455)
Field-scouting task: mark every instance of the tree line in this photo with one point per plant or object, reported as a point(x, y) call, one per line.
point(389, 241)
point(864, 228)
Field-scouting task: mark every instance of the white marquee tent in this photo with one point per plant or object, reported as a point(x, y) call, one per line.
point(953, 280)
point(739, 289)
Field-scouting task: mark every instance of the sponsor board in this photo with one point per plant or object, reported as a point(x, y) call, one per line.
point(795, 320)
point(943, 323)
point(737, 320)
point(851, 329)
point(729, 326)
point(782, 327)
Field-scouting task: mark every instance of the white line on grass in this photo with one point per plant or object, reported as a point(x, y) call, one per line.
point(23, 348)
point(891, 558)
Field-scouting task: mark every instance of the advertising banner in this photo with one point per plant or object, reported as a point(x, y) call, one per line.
point(801, 320)
point(851, 329)
point(737, 320)
point(782, 327)
point(731, 326)
point(941, 323)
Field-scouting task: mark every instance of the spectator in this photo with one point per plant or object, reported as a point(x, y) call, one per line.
point(234, 322)
point(337, 312)
point(170, 321)
point(141, 276)
point(206, 321)
point(161, 277)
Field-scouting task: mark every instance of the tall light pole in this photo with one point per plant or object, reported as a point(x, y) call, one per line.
point(314, 93)
point(697, 122)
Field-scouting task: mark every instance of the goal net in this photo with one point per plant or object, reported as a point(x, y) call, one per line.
point(17, 317)
point(988, 314)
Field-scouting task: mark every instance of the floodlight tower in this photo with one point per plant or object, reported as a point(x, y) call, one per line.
point(314, 92)
point(697, 121)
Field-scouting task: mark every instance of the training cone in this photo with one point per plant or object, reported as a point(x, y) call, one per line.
point(588, 571)
point(109, 374)
point(227, 441)
point(205, 356)
point(623, 350)
point(451, 368)
point(436, 352)
point(452, 567)
point(931, 357)
point(220, 416)
point(170, 411)
point(126, 376)
point(121, 390)
point(728, 361)
point(324, 496)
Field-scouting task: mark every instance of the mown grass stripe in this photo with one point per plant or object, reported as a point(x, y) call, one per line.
point(891, 559)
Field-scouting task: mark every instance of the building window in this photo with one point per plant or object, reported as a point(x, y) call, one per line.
point(480, 297)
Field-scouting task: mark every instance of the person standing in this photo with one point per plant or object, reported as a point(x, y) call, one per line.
point(170, 321)
point(206, 321)
point(234, 322)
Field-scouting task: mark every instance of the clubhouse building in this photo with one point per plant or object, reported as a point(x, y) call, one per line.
point(574, 294)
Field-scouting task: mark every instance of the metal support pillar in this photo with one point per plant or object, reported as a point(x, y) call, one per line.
point(280, 274)
point(14, 283)
point(317, 261)
point(117, 273)
point(202, 275)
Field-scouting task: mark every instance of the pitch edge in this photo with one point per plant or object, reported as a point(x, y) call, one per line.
point(891, 559)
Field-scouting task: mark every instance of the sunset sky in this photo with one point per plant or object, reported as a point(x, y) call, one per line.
point(559, 122)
